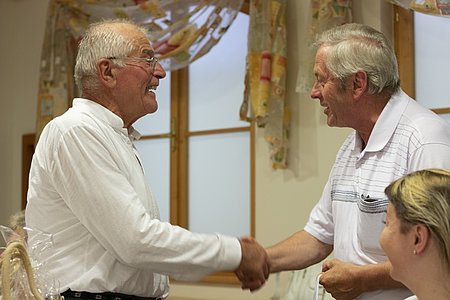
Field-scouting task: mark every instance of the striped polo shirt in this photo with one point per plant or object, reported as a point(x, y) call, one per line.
point(351, 211)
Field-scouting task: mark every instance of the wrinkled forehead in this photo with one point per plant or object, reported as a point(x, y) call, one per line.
point(143, 48)
point(320, 66)
point(141, 41)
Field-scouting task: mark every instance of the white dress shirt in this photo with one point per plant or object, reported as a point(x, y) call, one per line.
point(87, 188)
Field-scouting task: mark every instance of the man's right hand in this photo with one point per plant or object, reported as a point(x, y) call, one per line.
point(255, 266)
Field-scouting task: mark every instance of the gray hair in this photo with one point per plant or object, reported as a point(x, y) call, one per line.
point(102, 40)
point(357, 47)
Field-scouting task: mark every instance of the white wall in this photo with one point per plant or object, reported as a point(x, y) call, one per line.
point(21, 29)
point(283, 198)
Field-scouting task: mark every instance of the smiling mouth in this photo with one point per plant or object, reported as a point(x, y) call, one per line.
point(151, 88)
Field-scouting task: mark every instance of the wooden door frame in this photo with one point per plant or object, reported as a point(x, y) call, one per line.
point(27, 155)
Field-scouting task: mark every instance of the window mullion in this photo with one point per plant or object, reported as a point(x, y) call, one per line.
point(179, 157)
point(174, 93)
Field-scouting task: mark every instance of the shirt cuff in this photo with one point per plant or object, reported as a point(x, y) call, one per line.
point(231, 254)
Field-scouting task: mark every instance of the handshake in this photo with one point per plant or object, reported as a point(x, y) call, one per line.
point(255, 264)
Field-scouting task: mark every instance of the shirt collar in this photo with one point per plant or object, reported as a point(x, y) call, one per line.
point(134, 134)
point(386, 123)
point(106, 116)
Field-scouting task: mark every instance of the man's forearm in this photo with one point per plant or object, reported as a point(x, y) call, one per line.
point(297, 252)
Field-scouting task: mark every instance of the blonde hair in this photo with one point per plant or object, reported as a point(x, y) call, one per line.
point(424, 197)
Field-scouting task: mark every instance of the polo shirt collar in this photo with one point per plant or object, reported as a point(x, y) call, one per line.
point(387, 122)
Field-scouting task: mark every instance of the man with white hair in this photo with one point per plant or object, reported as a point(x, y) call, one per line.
point(88, 190)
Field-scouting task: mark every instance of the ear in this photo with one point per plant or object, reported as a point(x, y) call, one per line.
point(106, 72)
point(422, 237)
point(359, 84)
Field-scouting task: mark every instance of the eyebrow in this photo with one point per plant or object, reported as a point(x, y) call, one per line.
point(149, 52)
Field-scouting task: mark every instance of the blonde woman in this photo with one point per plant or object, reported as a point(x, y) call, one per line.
point(416, 237)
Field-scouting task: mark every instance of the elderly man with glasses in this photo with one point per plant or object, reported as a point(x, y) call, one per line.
point(88, 190)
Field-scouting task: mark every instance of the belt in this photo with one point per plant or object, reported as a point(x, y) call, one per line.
point(68, 295)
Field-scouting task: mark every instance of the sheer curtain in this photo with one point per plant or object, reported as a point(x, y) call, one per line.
point(264, 97)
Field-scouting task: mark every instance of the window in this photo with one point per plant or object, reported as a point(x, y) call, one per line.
point(197, 155)
point(423, 58)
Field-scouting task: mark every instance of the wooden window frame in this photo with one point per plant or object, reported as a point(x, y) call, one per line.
point(179, 136)
point(404, 49)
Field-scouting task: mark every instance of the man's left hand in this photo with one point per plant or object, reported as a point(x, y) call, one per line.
point(341, 279)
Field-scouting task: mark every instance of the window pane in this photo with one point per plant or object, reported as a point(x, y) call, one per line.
point(432, 63)
point(445, 117)
point(219, 183)
point(216, 81)
point(159, 121)
point(155, 158)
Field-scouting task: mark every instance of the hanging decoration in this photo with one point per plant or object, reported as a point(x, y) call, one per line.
point(181, 31)
point(324, 14)
point(432, 7)
point(265, 78)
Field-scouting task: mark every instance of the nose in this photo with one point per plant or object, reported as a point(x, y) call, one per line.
point(315, 92)
point(159, 71)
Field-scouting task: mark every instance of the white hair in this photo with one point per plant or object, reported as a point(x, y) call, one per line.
point(103, 39)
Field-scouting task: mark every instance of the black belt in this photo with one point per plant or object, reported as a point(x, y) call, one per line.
point(68, 295)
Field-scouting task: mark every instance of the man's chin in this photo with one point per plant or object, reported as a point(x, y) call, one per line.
point(151, 106)
point(153, 110)
point(330, 121)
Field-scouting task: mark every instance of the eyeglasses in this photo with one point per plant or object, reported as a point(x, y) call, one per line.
point(151, 61)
